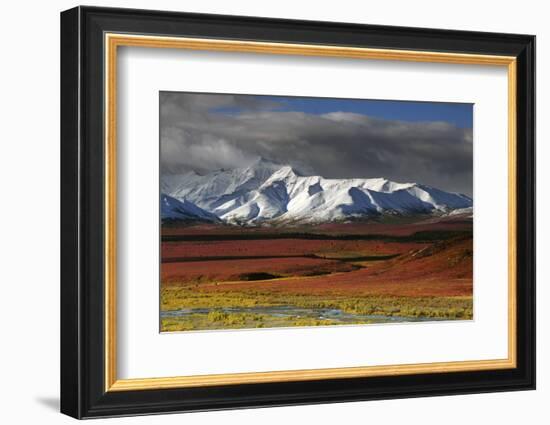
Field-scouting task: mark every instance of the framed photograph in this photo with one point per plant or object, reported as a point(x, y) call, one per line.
point(261, 212)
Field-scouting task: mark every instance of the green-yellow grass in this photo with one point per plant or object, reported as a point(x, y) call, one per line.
point(175, 298)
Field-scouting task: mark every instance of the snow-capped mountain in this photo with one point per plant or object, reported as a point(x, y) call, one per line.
point(266, 192)
point(220, 187)
point(173, 209)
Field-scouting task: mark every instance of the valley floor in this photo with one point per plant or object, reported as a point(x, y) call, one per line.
point(224, 277)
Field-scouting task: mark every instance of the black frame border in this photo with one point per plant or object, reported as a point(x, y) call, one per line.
point(82, 205)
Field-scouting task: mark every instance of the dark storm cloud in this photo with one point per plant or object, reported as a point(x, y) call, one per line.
point(207, 132)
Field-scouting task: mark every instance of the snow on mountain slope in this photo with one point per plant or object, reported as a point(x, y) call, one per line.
point(173, 209)
point(272, 193)
point(464, 212)
point(213, 190)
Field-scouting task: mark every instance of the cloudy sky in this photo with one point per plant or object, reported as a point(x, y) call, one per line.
point(424, 142)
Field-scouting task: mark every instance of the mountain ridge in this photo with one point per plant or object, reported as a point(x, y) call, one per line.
point(269, 193)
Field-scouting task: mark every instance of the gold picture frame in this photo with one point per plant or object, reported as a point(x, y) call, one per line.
point(114, 41)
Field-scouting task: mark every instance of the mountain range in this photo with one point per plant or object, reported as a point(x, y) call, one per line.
point(269, 193)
